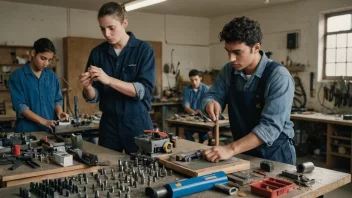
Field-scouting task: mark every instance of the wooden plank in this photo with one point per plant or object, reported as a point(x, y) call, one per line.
point(209, 125)
point(213, 167)
point(24, 172)
point(50, 176)
point(185, 146)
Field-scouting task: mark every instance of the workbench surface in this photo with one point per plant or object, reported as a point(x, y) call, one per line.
point(326, 180)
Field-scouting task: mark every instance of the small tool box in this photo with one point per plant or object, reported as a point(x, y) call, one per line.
point(271, 187)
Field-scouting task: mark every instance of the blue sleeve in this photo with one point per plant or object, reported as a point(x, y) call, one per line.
point(278, 97)
point(58, 94)
point(219, 89)
point(186, 101)
point(96, 85)
point(145, 80)
point(17, 94)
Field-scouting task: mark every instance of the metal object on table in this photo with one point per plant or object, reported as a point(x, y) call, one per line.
point(187, 157)
point(189, 186)
point(267, 166)
point(306, 167)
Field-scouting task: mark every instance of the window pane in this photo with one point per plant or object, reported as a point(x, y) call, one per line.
point(330, 55)
point(349, 69)
point(330, 69)
point(341, 40)
point(349, 55)
point(341, 55)
point(349, 40)
point(331, 41)
point(339, 23)
point(341, 69)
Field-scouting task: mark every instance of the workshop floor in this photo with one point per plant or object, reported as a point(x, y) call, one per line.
point(342, 192)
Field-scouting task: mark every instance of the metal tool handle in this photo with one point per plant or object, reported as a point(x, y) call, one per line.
point(226, 189)
point(16, 165)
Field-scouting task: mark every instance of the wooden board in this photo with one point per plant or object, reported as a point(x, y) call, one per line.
point(76, 53)
point(25, 174)
point(318, 117)
point(185, 146)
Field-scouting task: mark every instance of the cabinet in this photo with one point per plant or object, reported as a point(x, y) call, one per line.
point(339, 147)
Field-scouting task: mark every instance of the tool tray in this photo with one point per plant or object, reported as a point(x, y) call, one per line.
point(271, 187)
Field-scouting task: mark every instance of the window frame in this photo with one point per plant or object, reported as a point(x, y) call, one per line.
point(325, 77)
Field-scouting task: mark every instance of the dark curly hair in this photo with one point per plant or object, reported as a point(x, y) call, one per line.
point(43, 45)
point(242, 29)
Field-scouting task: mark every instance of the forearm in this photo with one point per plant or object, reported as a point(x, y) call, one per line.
point(190, 110)
point(246, 143)
point(89, 92)
point(58, 109)
point(125, 88)
point(32, 116)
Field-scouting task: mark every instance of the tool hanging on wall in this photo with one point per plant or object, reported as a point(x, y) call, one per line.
point(312, 90)
point(300, 98)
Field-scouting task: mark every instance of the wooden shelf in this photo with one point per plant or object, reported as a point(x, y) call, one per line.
point(340, 138)
point(11, 64)
point(343, 145)
point(340, 155)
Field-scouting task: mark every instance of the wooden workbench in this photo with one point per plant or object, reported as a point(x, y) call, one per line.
point(181, 124)
point(6, 118)
point(334, 125)
point(25, 174)
point(164, 107)
point(326, 180)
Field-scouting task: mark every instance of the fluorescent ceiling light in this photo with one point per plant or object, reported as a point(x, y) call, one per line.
point(140, 4)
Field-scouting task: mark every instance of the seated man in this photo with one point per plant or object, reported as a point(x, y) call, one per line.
point(192, 96)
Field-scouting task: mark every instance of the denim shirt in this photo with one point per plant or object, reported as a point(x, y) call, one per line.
point(192, 98)
point(278, 96)
point(40, 95)
point(135, 64)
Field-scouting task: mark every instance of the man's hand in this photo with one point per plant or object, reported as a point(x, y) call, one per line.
point(63, 116)
point(85, 79)
point(97, 74)
point(213, 110)
point(217, 153)
point(49, 123)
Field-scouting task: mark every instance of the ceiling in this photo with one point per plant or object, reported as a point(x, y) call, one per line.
point(196, 8)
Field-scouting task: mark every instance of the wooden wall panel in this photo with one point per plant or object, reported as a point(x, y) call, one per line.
point(76, 53)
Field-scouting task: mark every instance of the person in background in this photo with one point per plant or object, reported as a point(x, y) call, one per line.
point(35, 91)
point(259, 94)
point(192, 96)
point(120, 75)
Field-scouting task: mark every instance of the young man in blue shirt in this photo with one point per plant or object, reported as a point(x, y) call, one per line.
point(192, 96)
point(35, 91)
point(259, 94)
point(120, 74)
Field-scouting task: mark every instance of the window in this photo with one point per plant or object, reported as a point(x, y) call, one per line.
point(338, 46)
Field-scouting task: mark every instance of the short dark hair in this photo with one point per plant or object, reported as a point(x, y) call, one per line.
point(113, 8)
point(44, 45)
point(242, 29)
point(194, 72)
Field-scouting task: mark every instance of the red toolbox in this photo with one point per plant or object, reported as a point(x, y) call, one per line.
point(272, 187)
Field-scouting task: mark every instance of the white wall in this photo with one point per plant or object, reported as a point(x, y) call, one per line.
point(304, 17)
point(22, 24)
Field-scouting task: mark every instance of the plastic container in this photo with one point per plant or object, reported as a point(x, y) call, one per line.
point(272, 187)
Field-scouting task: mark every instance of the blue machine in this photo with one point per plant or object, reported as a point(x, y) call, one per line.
point(193, 185)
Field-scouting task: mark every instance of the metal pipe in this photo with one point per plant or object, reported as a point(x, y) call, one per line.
point(306, 167)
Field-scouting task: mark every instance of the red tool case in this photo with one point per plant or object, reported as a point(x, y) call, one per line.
point(272, 187)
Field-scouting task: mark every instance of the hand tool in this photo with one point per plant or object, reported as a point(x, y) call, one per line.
point(193, 185)
point(260, 172)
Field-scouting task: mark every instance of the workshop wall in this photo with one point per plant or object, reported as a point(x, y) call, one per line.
point(304, 17)
point(22, 24)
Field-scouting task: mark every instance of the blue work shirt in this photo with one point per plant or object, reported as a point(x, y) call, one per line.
point(278, 97)
point(135, 64)
point(192, 98)
point(40, 95)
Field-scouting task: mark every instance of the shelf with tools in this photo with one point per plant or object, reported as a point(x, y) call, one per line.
point(339, 146)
